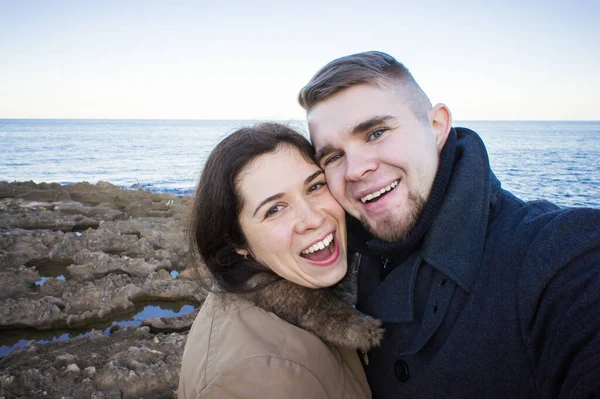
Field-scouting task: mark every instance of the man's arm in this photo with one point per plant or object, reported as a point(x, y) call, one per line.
point(559, 305)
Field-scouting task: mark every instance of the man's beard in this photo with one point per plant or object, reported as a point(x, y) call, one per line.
point(392, 229)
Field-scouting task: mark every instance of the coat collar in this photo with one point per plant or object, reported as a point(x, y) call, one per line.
point(455, 241)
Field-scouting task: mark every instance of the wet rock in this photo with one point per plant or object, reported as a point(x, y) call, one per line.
point(102, 240)
point(34, 192)
point(78, 257)
point(128, 364)
point(18, 282)
point(161, 285)
point(171, 324)
point(20, 246)
point(92, 265)
point(36, 215)
point(43, 313)
point(71, 304)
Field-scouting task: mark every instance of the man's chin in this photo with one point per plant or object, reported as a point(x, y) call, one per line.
point(388, 230)
point(396, 226)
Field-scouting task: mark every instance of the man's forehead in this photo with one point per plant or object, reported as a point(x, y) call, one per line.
point(326, 124)
point(343, 111)
point(322, 134)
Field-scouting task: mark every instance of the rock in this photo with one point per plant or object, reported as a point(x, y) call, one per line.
point(43, 313)
point(17, 283)
point(74, 256)
point(130, 362)
point(20, 246)
point(6, 380)
point(65, 359)
point(73, 368)
point(171, 324)
point(93, 265)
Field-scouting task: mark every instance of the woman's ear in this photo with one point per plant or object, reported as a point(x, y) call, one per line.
point(243, 252)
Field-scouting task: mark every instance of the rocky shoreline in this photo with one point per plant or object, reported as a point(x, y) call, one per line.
point(77, 258)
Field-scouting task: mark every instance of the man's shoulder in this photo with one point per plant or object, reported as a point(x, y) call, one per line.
point(562, 258)
point(540, 236)
point(563, 233)
point(541, 216)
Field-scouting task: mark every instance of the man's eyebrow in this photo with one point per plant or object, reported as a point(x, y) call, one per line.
point(269, 199)
point(327, 148)
point(358, 129)
point(370, 124)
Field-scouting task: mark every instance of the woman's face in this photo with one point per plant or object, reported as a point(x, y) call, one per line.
point(291, 222)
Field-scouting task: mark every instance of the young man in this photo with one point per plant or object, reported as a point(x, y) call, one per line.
point(481, 294)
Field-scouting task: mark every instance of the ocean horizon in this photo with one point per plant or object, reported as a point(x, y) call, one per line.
point(553, 160)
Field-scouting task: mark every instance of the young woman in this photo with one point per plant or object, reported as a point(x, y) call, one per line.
point(276, 324)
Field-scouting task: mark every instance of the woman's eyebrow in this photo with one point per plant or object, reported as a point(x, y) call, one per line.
point(277, 196)
point(268, 199)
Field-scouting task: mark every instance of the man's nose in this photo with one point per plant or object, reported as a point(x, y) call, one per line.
point(358, 165)
point(309, 216)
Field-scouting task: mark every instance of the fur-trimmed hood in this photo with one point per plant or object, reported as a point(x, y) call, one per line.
point(328, 313)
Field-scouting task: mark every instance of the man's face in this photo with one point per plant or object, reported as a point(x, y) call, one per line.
point(380, 160)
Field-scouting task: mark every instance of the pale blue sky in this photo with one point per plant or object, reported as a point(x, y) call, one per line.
point(247, 60)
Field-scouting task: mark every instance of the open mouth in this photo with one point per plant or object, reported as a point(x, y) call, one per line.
point(379, 193)
point(322, 251)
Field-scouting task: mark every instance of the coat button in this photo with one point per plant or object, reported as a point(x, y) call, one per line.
point(401, 369)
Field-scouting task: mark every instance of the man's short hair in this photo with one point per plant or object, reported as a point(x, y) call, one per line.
point(372, 67)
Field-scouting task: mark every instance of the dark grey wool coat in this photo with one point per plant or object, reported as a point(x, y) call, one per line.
point(499, 298)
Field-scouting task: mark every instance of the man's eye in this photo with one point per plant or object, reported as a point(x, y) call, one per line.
point(316, 186)
point(375, 134)
point(331, 159)
point(273, 210)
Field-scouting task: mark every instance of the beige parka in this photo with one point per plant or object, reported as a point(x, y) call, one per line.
point(238, 350)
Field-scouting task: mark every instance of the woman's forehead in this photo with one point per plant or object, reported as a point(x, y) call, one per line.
point(274, 173)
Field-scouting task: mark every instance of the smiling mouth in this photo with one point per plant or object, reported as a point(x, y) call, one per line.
point(320, 251)
point(379, 193)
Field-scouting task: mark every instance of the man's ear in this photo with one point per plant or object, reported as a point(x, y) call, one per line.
point(440, 119)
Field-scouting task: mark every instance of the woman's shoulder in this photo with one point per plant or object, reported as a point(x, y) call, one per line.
point(243, 330)
point(231, 337)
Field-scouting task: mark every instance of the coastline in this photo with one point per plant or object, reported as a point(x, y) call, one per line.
point(80, 261)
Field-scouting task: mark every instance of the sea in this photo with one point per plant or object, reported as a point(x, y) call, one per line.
point(554, 160)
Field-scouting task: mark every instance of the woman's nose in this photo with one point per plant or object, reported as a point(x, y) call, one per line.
point(309, 217)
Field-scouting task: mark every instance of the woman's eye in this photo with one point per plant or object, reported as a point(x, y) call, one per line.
point(273, 210)
point(375, 134)
point(331, 159)
point(316, 186)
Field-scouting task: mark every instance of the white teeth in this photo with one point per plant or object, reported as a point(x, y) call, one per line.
point(377, 193)
point(319, 245)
